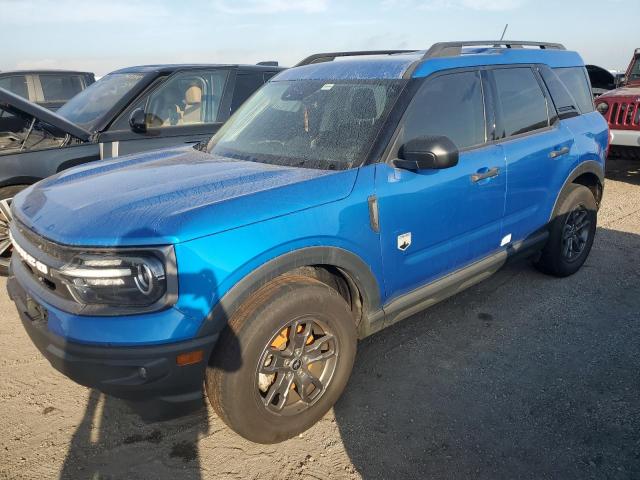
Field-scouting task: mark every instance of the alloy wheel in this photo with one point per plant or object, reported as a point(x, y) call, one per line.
point(575, 233)
point(5, 240)
point(296, 366)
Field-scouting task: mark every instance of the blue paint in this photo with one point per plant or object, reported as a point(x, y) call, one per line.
point(227, 217)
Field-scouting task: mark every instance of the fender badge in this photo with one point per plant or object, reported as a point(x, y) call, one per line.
point(404, 241)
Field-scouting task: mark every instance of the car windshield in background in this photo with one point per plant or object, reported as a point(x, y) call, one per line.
point(309, 123)
point(95, 101)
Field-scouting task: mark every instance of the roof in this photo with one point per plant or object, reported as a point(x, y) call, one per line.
point(48, 70)
point(421, 63)
point(169, 68)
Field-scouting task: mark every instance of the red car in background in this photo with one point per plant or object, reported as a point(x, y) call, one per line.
point(621, 108)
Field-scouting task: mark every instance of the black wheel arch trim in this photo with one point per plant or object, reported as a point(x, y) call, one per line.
point(348, 262)
point(589, 166)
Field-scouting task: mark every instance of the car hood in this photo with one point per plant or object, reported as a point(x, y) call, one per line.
point(170, 196)
point(628, 91)
point(22, 107)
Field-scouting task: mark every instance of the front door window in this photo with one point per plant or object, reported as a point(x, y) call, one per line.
point(188, 98)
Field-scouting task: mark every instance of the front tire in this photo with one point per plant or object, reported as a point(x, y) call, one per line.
point(571, 234)
point(284, 359)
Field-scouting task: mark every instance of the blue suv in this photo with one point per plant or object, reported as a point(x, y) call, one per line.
point(345, 195)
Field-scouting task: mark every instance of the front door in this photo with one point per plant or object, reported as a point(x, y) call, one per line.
point(433, 222)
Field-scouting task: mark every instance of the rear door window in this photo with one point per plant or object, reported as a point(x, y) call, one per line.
point(576, 80)
point(246, 84)
point(521, 104)
point(60, 88)
point(450, 105)
point(16, 84)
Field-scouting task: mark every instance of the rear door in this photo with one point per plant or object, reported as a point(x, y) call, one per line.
point(186, 108)
point(536, 146)
point(433, 222)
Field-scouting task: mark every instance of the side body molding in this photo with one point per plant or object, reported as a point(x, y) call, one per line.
point(352, 265)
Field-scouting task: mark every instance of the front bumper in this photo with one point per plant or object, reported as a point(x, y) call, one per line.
point(625, 138)
point(134, 373)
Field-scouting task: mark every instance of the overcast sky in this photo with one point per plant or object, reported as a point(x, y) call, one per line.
point(101, 36)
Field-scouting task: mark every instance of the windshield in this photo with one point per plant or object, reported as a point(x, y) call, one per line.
point(86, 108)
point(308, 123)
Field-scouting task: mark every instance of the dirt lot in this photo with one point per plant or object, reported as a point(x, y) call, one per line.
point(523, 376)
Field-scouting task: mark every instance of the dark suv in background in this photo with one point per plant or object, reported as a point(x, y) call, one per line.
point(49, 88)
point(126, 111)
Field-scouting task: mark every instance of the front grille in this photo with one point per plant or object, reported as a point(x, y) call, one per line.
point(624, 114)
point(45, 251)
point(42, 244)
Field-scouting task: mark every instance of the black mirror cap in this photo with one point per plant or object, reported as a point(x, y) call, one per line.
point(427, 153)
point(138, 121)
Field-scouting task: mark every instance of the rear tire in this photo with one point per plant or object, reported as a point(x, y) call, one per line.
point(284, 359)
point(6, 195)
point(571, 232)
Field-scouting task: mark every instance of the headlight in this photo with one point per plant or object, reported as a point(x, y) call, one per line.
point(128, 280)
point(602, 107)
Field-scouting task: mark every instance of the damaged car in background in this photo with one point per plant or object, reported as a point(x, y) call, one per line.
point(621, 109)
point(128, 111)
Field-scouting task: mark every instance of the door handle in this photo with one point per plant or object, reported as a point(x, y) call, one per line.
point(492, 172)
point(559, 153)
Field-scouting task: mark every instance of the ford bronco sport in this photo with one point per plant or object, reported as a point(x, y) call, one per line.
point(621, 108)
point(345, 195)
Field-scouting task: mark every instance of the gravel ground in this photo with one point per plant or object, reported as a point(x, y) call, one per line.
point(522, 376)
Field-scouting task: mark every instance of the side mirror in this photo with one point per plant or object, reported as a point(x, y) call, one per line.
point(138, 121)
point(427, 153)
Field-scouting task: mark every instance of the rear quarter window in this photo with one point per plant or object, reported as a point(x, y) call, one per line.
point(60, 88)
point(246, 84)
point(577, 82)
point(565, 104)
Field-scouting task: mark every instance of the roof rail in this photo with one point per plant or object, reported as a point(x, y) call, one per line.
point(453, 49)
point(329, 57)
point(268, 63)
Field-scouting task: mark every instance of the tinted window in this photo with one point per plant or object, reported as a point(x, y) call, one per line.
point(60, 87)
point(564, 102)
point(521, 105)
point(449, 105)
point(246, 84)
point(187, 98)
point(16, 84)
point(577, 82)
